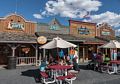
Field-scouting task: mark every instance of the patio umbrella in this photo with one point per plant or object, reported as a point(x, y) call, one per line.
point(111, 44)
point(58, 43)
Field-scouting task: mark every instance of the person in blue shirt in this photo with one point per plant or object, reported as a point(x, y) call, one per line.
point(43, 65)
point(61, 54)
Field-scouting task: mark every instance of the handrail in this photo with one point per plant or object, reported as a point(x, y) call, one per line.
point(26, 61)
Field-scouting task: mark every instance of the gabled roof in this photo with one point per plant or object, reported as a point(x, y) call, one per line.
point(17, 15)
point(51, 22)
point(54, 20)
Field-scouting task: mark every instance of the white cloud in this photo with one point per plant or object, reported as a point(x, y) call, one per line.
point(38, 16)
point(71, 8)
point(111, 18)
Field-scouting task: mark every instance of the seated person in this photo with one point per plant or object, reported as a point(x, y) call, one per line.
point(107, 59)
point(61, 62)
point(75, 65)
point(68, 62)
point(43, 65)
point(75, 69)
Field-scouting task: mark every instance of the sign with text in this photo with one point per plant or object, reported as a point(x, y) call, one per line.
point(105, 33)
point(14, 25)
point(83, 31)
point(54, 27)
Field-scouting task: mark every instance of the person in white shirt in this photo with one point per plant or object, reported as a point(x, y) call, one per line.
point(76, 55)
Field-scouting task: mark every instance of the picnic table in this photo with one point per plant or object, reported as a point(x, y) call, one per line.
point(60, 67)
point(64, 76)
point(114, 66)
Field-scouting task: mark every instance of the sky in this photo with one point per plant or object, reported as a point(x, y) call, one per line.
point(95, 11)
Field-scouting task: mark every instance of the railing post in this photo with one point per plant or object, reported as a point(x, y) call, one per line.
point(36, 52)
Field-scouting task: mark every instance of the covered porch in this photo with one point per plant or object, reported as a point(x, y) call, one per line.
point(22, 46)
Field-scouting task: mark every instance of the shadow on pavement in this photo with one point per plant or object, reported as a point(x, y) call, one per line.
point(84, 67)
point(32, 73)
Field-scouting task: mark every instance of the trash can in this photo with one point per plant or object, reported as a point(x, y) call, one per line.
point(11, 62)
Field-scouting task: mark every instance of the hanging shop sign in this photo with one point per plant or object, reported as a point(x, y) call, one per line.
point(26, 50)
point(42, 40)
point(14, 25)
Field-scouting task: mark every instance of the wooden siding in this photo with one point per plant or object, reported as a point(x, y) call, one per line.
point(74, 25)
point(29, 27)
point(105, 28)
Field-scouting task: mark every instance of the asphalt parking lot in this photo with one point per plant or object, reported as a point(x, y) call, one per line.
point(29, 74)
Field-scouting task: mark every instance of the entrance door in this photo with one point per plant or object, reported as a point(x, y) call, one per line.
point(4, 52)
point(3, 60)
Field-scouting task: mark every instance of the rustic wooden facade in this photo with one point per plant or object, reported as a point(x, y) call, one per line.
point(88, 32)
point(17, 39)
point(104, 30)
point(82, 29)
point(16, 23)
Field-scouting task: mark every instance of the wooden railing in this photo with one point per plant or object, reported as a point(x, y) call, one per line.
point(26, 61)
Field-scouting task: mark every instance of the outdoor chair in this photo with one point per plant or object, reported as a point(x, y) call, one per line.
point(45, 79)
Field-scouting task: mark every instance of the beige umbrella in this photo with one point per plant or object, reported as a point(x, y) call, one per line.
point(57, 43)
point(111, 44)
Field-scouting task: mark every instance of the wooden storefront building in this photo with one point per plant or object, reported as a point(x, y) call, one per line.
point(86, 31)
point(18, 38)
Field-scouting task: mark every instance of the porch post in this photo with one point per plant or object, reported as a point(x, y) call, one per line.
point(78, 54)
point(106, 51)
point(13, 47)
point(83, 54)
point(12, 59)
point(43, 53)
point(36, 52)
point(13, 51)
